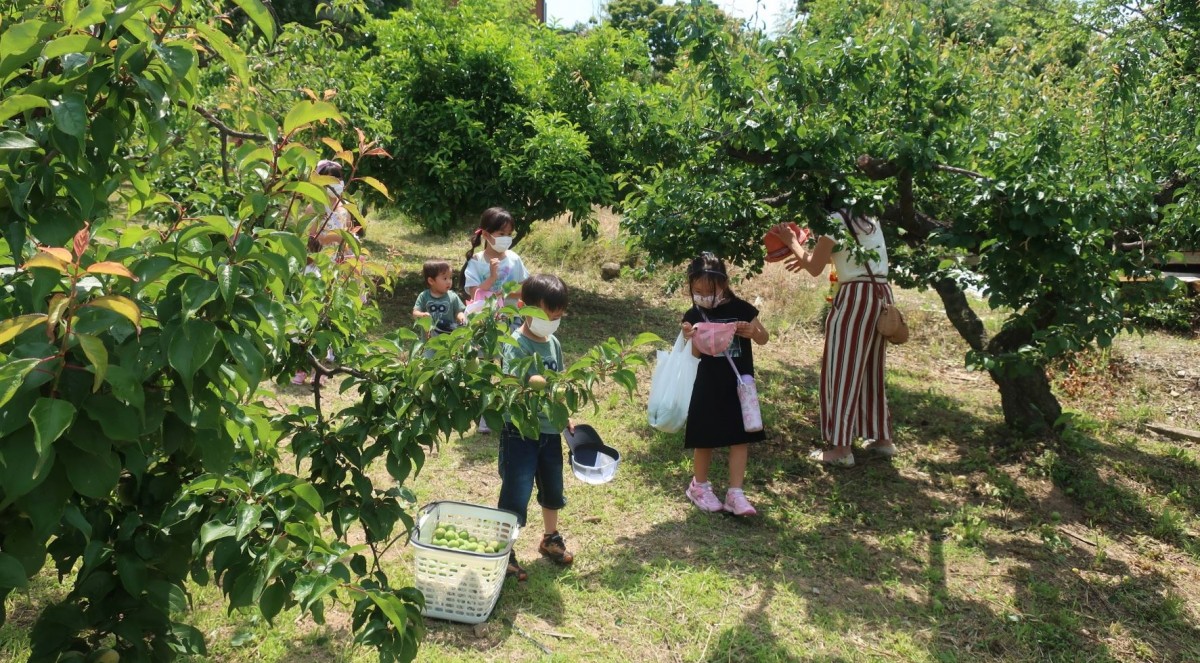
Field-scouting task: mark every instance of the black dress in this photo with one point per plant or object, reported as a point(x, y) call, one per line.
point(714, 415)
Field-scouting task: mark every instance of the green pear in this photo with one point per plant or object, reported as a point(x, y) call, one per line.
point(106, 656)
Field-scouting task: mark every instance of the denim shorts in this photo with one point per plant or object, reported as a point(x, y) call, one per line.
point(525, 462)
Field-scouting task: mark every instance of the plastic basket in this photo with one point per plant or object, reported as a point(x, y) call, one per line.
point(458, 585)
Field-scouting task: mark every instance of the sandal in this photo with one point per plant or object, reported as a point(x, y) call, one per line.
point(515, 570)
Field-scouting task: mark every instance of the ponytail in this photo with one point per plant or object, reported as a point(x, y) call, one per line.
point(476, 240)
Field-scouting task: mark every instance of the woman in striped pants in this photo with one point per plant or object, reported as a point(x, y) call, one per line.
point(853, 400)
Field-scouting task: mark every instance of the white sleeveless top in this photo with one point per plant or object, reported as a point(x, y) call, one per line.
point(843, 258)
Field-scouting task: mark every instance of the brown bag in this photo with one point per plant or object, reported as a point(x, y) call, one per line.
point(891, 324)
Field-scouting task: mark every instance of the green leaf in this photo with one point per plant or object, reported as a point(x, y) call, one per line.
point(22, 467)
point(220, 43)
point(306, 492)
point(391, 606)
point(272, 600)
point(311, 588)
point(12, 375)
point(51, 417)
point(10, 329)
point(191, 346)
point(12, 573)
point(249, 359)
point(227, 281)
point(305, 113)
point(196, 293)
point(19, 103)
point(71, 44)
point(259, 14)
point(21, 43)
point(121, 306)
point(188, 640)
point(70, 114)
point(97, 354)
point(14, 140)
point(375, 184)
point(132, 573)
point(644, 338)
point(92, 475)
point(214, 531)
point(248, 517)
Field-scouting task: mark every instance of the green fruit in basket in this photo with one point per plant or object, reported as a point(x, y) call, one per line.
point(498, 545)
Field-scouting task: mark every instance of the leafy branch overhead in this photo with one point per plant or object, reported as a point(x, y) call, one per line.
point(156, 281)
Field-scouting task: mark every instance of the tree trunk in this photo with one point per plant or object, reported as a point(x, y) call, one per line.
point(1028, 404)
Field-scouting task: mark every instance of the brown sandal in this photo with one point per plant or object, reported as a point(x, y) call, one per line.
point(515, 570)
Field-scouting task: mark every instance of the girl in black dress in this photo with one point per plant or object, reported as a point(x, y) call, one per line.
point(715, 415)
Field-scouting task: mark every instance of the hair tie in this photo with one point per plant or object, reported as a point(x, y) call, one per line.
point(478, 232)
point(713, 271)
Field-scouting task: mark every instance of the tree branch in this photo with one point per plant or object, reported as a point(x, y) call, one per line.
point(750, 156)
point(960, 171)
point(876, 168)
point(225, 129)
point(777, 201)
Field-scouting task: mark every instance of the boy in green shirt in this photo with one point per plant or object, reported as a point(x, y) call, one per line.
point(524, 462)
point(439, 301)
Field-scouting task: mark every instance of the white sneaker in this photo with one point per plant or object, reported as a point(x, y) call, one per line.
point(483, 427)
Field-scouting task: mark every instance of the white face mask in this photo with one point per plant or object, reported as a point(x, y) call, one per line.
point(336, 189)
point(706, 301)
point(501, 244)
point(543, 328)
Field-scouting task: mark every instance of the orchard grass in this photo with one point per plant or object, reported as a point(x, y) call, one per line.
point(971, 545)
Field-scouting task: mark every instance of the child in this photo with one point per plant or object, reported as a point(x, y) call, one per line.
point(714, 414)
point(492, 268)
point(438, 301)
point(524, 462)
point(495, 266)
point(322, 229)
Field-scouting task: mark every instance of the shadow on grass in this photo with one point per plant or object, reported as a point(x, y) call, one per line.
point(863, 536)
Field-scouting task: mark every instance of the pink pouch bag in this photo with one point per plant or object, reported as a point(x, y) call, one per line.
point(713, 338)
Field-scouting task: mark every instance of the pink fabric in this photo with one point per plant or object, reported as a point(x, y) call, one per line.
point(712, 338)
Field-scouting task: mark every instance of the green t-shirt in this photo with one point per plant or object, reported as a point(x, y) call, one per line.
point(552, 360)
point(446, 307)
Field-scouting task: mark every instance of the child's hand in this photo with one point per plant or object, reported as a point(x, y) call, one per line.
point(494, 267)
point(744, 329)
point(571, 426)
point(688, 331)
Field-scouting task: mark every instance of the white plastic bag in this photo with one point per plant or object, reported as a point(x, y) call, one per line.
point(671, 386)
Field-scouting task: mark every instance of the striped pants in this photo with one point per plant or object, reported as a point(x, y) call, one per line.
point(853, 402)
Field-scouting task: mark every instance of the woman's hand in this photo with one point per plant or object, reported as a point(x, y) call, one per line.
point(688, 331)
point(787, 235)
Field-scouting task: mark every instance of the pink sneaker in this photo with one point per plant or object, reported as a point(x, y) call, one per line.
point(300, 378)
point(737, 504)
point(701, 494)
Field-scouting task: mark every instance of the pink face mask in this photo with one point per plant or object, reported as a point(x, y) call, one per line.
point(712, 338)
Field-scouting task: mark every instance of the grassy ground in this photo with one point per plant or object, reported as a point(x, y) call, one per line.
point(969, 546)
